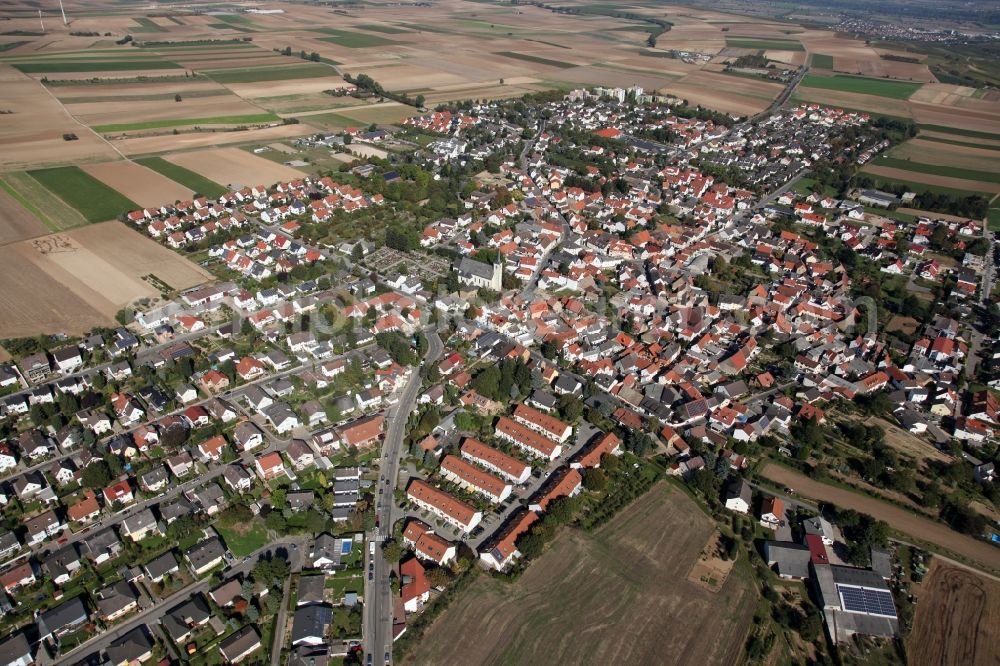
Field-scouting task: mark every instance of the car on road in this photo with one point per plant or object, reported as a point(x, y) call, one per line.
point(371, 576)
point(387, 657)
point(370, 660)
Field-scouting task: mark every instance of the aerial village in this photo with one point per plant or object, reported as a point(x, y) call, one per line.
point(632, 289)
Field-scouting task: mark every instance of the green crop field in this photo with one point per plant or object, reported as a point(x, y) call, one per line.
point(352, 40)
point(536, 59)
point(960, 132)
point(277, 73)
point(387, 29)
point(184, 122)
point(197, 43)
point(123, 65)
point(993, 218)
point(147, 25)
point(821, 61)
point(96, 201)
point(764, 44)
point(863, 85)
point(953, 142)
point(189, 179)
point(938, 170)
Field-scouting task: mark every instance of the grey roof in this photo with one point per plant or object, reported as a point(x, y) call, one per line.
point(311, 590)
point(105, 541)
point(58, 563)
point(881, 562)
point(181, 506)
point(791, 559)
point(14, 648)
point(310, 623)
point(471, 267)
point(739, 488)
point(143, 520)
point(115, 597)
point(178, 621)
point(859, 577)
point(63, 617)
point(239, 642)
point(205, 552)
point(161, 566)
point(130, 647)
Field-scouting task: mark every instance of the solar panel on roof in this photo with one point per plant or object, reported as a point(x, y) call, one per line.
point(852, 599)
point(866, 600)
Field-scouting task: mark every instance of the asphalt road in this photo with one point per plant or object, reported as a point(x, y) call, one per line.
point(378, 591)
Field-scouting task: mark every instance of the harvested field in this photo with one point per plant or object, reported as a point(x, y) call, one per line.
point(70, 282)
point(141, 185)
point(32, 134)
point(150, 145)
point(16, 222)
point(925, 529)
point(921, 166)
point(956, 157)
point(855, 101)
point(627, 585)
point(162, 112)
point(731, 94)
point(906, 176)
point(250, 119)
point(232, 166)
point(957, 622)
point(386, 112)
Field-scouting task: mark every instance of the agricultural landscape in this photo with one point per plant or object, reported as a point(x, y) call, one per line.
point(365, 332)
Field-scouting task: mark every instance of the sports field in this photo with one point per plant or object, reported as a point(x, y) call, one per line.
point(92, 198)
point(862, 85)
point(618, 595)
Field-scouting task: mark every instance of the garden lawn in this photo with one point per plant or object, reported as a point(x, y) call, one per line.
point(93, 199)
point(243, 542)
point(189, 179)
point(863, 85)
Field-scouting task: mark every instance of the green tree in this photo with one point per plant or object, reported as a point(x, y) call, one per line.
point(595, 480)
point(96, 475)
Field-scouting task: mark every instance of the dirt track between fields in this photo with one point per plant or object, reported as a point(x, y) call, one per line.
point(899, 519)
